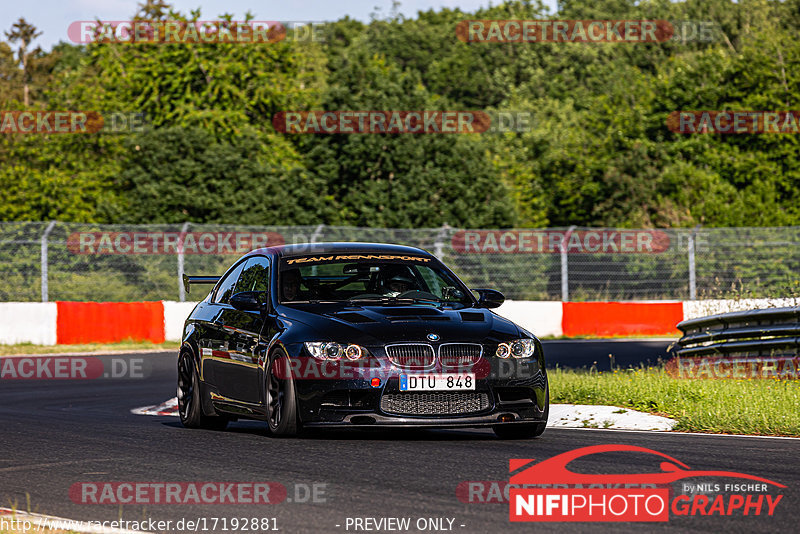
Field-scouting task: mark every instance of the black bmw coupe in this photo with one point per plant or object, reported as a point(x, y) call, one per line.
point(356, 335)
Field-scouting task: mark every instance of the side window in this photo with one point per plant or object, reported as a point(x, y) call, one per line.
point(431, 281)
point(225, 288)
point(255, 276)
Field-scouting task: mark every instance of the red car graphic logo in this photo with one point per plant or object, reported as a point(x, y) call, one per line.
point(554, 470)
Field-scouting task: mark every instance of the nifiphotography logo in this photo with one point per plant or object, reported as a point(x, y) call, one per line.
point(548, 491)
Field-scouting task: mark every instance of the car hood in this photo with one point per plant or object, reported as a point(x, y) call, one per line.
point(377, 325)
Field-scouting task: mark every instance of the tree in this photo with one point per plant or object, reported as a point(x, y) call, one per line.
point(599, 151)
point(24, 33)
point(401, 180)
point(174, 175)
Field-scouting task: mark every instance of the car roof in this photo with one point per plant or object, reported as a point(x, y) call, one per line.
point(305, 249)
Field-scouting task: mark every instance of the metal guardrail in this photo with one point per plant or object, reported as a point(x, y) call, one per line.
point(748, 333)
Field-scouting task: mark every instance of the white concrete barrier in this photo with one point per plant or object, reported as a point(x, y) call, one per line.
point(692, 309)
point(28, 322)
point(37, 322)
point(542, 318)
point(175, 314)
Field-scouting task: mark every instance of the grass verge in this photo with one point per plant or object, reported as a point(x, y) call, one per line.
point(758, 407)
point(28, 348)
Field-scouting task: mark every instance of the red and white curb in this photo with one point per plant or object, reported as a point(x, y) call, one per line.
point(561, 415)
point(168, 407)
point(29, 522)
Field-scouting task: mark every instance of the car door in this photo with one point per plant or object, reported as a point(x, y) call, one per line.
point(213, 342)
point(237, 376)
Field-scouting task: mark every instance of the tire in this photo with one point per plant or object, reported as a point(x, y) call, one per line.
point(525, 430)
point(190, 407)
point(280, 398)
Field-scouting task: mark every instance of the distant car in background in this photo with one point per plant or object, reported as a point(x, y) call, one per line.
point(356, 335)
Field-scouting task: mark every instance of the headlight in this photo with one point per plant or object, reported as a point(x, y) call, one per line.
point(353, 352)
point(503, 350)
point(329, 350)
point(518, 348)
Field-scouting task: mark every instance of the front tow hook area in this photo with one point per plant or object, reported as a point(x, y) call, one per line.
point(362, 420)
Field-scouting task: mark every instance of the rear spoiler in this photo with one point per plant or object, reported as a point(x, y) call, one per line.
point(189, 280)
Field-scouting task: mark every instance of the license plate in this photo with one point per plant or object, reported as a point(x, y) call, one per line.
point(438, 382)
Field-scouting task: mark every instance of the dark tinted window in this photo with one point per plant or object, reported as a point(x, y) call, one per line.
point(225, 288)
point(369, 277)
point(255, 276)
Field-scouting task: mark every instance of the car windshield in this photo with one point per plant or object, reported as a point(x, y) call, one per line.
point(371, 279)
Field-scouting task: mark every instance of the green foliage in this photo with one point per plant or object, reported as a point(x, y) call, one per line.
point(599, 152)
point(183, 174)
point(59, 177)
point(726, 406)
point(402, 180)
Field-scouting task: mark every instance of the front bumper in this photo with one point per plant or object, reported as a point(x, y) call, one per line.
point(379, 420)
point(506, 397)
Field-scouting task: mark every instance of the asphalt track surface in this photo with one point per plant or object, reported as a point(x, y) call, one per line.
point(588, 353)
point(54, 433)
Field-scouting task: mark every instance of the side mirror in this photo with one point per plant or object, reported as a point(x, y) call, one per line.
point(247, 301)
point(490, 298)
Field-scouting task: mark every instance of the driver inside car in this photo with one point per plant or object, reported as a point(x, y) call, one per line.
point(399, 284)
point(290, 284)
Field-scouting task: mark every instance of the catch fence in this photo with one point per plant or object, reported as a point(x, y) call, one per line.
point(41, 261)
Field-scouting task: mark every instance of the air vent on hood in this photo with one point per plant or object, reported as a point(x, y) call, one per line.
point(408, 318)
point(352, 317)
point(472, 316)
point(412, 310)
point(414, 313)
